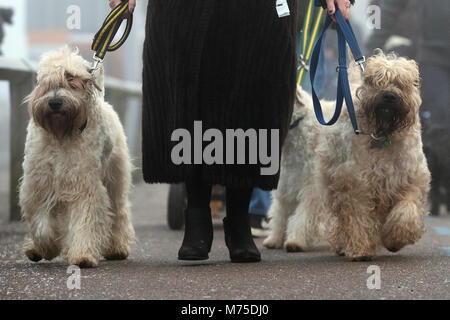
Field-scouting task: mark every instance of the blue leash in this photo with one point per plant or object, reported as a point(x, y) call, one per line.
point(345, 36)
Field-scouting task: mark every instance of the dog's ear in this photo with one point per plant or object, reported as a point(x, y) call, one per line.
point(415, 73)
point(408, 73)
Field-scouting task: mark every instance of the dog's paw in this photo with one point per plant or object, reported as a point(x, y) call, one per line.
point(119, 250)
point(395, 244)
point(338, 250)
point(292, 246)
point(50, 255)
point(84, 262)
point(395, 248)
point(404, 226)
point(361, 258)
point(33, 255)
point(360, 254)
point(340, 253)
point(273, 243)
point(47, 247)
point(116, 256)
point(398, 238)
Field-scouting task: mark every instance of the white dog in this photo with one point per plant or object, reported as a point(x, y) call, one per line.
point(77, 169)
point(366, 189)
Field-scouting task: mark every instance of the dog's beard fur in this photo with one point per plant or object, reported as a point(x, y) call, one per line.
point(385, 118)
point(75, 94)
point(64, 122)
point(394, 77)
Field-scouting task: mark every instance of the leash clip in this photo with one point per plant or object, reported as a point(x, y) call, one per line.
point(302, 63)
point(361, 63)
point(97, 62)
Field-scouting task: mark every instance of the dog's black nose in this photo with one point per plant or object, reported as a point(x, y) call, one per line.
point(390, 97)
point(55, 104)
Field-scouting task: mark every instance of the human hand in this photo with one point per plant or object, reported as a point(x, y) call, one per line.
point(343, 5)
point(131, 6)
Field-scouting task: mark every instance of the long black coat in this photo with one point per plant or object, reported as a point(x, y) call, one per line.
point(230, 64)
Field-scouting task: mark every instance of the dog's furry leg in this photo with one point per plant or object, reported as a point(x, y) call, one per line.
point(279, 212)
point(306, 226)
point(404, 225)
point(118, 188)
point(122, 235)
point(337, 238)
point(299, 234)
point(42, 241)
point(31, 251)
point(357, 224)
point(90, 226)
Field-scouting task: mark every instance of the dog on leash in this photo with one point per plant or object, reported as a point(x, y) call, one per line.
point(363, 190)
point(77, 169)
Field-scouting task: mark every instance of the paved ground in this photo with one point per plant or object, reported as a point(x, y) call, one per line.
point(152, 272)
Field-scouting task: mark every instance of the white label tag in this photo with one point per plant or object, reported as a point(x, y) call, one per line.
point(283, 8)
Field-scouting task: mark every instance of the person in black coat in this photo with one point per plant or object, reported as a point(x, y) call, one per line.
point(231, 65)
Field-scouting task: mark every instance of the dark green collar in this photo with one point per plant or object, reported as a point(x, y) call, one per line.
point(380, 142)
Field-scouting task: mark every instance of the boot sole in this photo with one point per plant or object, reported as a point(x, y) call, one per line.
point(193, 258)
point(245, 259)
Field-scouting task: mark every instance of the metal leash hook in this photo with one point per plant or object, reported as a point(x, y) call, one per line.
point(302, 63)
point(96, 63)
point(362, 63)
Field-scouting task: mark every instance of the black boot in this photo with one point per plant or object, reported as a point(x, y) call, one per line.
point(238, 235)
point(198, 235)
point(239, 240)
point(198, 232)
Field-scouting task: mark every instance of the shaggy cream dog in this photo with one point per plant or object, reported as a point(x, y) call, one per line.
point(361, 190)
point(77, 169)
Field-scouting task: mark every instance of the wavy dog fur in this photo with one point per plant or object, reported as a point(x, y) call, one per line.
point(334, 183)
point(74, 192)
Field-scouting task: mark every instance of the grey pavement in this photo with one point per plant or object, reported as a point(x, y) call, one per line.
point(153, 272)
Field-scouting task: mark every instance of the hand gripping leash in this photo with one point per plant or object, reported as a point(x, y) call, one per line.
point(345, 36)
point(104, 37)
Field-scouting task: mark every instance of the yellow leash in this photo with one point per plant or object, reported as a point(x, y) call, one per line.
point(102, 40)
point(307, 23)
point(307, 44)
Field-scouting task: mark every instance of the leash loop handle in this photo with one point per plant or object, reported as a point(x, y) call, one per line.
point(104, 37)
point(345, 36)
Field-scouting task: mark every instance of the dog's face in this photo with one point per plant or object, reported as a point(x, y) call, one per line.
point(390, 94)
point(64, 92)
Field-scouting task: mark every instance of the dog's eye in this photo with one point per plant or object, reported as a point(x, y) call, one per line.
point(76, 84)
point(70, 82)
